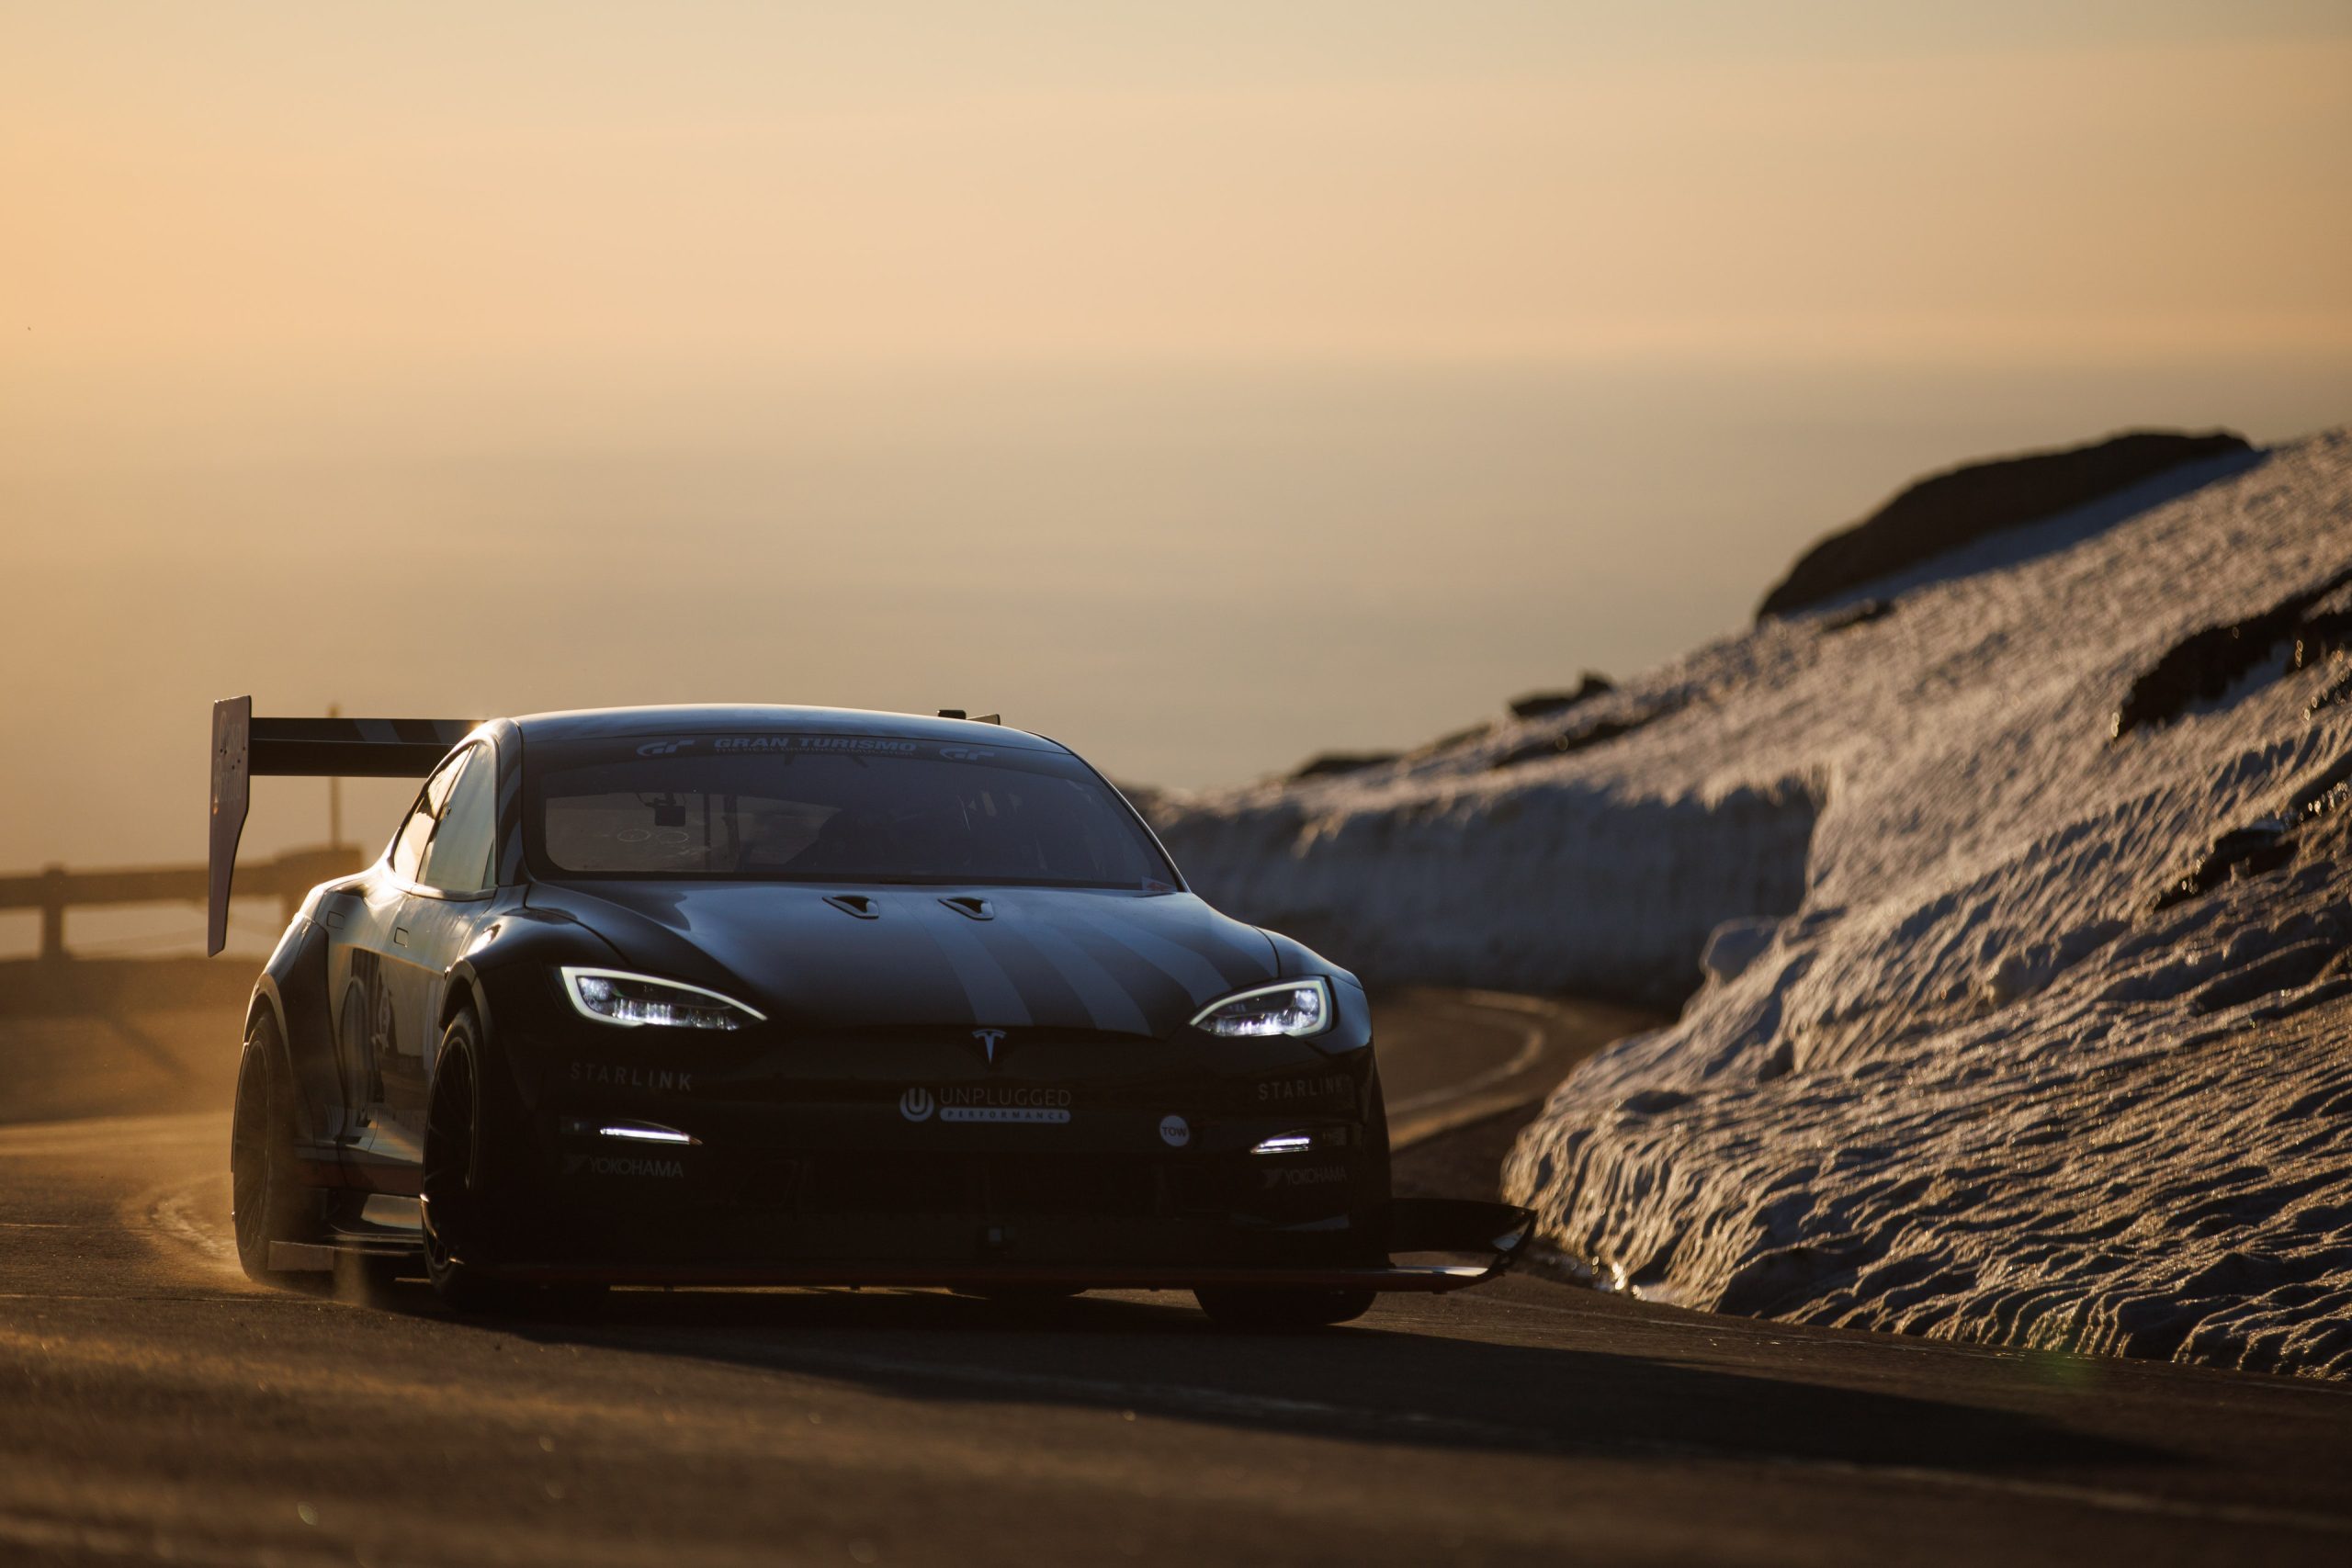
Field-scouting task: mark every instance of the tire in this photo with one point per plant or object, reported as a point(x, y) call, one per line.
point(1241, 1308)
point(467, 1179)
point(267, 1202)
point(459, 1185)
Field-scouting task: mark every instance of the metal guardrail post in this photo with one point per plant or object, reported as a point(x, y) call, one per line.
point(52, 913)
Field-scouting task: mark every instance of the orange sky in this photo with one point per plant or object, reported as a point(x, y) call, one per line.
point(250, 185)
point(1206, 385)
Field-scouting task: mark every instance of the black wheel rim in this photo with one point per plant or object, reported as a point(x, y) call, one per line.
point(249, 1152)
point(448, 1153)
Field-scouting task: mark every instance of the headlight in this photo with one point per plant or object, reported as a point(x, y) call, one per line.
point(1287, 1007)
point(613, 996)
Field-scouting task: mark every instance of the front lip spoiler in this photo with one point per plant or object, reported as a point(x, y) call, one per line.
point(1415, 1224)
point(1424, 1278)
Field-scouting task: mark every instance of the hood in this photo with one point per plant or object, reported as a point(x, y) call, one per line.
point(1093, 961)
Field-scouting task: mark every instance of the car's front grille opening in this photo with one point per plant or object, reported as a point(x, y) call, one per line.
point(976, 1186)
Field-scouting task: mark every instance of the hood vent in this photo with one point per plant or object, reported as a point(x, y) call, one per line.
point(971, 908)
point(858, 904)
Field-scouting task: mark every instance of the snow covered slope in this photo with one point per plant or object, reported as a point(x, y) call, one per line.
point(1953, 1068)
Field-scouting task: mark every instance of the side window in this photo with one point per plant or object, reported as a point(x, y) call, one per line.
point(459, 858)
point(408, 845)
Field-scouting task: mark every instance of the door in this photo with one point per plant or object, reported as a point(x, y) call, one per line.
point(444, 903)
point(372, 1020)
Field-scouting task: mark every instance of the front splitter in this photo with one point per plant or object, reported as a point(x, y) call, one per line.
point(1411, 1225)
point(1424, 1278)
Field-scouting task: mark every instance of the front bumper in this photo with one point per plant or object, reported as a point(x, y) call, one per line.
point(909, 1156)
point(908, 1150)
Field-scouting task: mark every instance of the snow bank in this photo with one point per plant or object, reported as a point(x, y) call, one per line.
point(1542, 884)
point(1976, 1053)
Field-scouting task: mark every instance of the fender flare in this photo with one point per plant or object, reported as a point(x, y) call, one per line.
point(463, 987)
point(292, 992)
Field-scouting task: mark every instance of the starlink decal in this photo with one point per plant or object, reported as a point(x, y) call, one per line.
point(661, 1081)
point(1320, 1086)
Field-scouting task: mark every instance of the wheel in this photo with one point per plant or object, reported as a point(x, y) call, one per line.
point(267, 1202)
point(465, 1180)
point(1240, 1307)
point(459, 1186)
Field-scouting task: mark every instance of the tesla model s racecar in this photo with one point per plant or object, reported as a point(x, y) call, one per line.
point(798, 995)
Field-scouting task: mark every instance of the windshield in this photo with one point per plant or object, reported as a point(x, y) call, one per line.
point(831, 808)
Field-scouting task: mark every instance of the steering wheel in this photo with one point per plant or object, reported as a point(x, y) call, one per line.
point(864, 829)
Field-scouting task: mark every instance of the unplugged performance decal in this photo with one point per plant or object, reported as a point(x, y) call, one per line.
point(992, 1102)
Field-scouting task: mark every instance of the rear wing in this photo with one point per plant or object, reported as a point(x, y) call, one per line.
point(245, 748)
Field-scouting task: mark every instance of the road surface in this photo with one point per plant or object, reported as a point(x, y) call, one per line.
point(155, 1407)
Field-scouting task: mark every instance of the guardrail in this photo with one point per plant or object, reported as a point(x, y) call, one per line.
point(53, 890)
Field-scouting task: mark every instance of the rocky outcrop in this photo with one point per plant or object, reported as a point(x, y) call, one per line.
point(1544, 705)
point(1946, 511)
point(1331, 764)
point(2307, 628)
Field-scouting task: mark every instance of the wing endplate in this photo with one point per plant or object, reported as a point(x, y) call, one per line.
point(232, 722)
point(245, 748)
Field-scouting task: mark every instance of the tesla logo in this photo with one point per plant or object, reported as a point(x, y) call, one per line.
point(916, 1104)
point(662, 748)
point(989, 1039)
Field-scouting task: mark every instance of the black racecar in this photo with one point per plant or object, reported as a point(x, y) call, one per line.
point(798, 995)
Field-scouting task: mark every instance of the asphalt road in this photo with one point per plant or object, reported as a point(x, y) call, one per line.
point(156, 1407)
